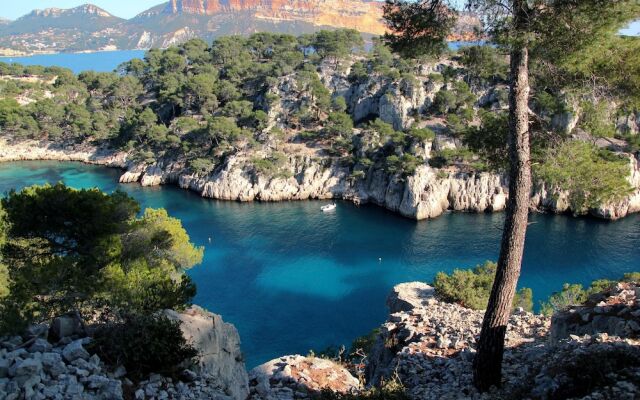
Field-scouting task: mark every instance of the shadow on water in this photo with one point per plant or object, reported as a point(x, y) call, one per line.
point(292, 278)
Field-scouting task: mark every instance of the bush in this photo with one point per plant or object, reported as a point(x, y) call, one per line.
point(574, 294)
point(471, 288)
point(391, 390)
point(144, 345)
point(423, 134)
point(570, 295)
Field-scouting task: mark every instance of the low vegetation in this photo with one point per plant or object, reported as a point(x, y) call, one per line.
point(471, 288)
point(575, 294)
point(143, 344)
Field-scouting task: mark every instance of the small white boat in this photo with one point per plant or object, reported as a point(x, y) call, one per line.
point(328, 207)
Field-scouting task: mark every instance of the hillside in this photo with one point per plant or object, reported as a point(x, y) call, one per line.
point(259, 118)
point(85, 27)
point(90, 28)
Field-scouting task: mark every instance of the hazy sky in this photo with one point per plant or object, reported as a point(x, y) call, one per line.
point(13, 9)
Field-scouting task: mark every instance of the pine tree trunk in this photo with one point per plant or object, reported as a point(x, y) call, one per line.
point(487, 365)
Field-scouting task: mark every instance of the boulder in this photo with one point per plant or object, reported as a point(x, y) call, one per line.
point(65, 326)
point(74, 351)
point(218, 345)
point(300, 377)
point(40, 346)
point(30, 366)
point(53, 364)
point(407, 296)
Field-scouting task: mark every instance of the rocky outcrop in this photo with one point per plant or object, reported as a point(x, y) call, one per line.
point(429, 345)
point(54, 363)
point(218, 345)
point(615, 312)
point(428, 193)
point(36, 369)
point(36, 150)
point(407, 296)
point(298, 377)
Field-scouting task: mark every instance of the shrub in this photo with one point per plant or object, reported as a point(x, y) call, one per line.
point(471, 287)
point(524, 299)
point(424, 134)
point(143, 345)
point(391, 390)
point(632, 277)
point(574, 294)
point(570, 295)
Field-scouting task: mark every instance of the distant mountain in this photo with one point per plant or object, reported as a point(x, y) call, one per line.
point(90, 28)
point(85, 27)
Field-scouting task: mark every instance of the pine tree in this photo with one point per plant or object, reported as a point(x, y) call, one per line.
point(552, 31)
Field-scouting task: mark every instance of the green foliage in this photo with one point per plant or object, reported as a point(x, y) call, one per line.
point(201, 165)
point(471, 287)
point(574, 294)
point(595, 120)
point(85, 250)
point(422, 134)
point(570, 295)
point(273, 166)
point(632, 277)
point(524, 299)
point(405, 165)
point(339, 124)
point(391, 390)
point(592, 176)
point(4, 272)
point(418, 28)
point(339, 104)
point(489, 139)
point(449, 157)
point(364, 344)
point(485, 63)
point(143, 344)
point(337, 44)
point(454, 100)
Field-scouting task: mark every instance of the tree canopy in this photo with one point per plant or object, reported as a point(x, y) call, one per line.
point(87, 251)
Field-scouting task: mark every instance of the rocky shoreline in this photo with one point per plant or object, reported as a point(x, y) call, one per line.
point(588, 352)
point(428, 193)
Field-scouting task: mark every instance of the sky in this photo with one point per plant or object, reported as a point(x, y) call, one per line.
point(127, 8)
point(121, 8)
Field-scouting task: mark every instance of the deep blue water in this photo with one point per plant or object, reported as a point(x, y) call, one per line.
point(293, 279)
point(102, 61)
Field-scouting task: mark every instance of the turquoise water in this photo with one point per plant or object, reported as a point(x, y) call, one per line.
point(102, 61)
point(293, 279)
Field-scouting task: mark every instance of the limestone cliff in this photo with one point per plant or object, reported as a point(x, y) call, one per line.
point(428, 193)
point(365, 16)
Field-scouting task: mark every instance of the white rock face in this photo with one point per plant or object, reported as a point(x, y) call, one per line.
point(410, 295)
point(428, 193)
point(34, 150)
point(218, 345)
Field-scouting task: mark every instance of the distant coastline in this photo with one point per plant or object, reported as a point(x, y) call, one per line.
point(7, 53)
